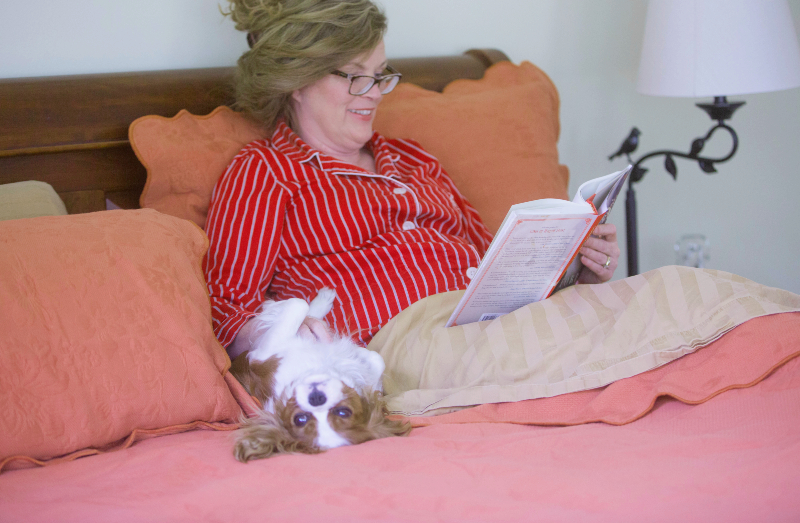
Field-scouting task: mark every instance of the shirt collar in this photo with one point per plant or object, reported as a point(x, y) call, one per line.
point(287, 142)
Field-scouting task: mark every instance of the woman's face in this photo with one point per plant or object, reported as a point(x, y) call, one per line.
point(329, 118)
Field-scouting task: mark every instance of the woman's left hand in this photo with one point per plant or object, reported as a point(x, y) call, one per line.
point(600, 255)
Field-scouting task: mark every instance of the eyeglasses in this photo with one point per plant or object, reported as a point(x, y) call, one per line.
point(361, 84)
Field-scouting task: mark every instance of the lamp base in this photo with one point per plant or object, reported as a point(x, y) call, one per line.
point(721, 109)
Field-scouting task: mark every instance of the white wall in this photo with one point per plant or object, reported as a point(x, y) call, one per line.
point(590, 49)
point(58, 37)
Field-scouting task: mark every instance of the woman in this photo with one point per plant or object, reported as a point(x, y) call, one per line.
point(326, 202)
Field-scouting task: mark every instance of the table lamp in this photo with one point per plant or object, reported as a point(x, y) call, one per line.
point(709, 48)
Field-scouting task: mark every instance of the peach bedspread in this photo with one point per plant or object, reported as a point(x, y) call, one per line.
point(732, 456)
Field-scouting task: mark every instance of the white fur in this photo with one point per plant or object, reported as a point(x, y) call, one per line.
point(307, 365)
point(322, 303)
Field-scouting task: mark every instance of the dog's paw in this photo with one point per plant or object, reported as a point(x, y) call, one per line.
point(272, 312)
point(277, 322)
point(322, 303)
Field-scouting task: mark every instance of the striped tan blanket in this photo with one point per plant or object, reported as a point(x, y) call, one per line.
point(583, 337)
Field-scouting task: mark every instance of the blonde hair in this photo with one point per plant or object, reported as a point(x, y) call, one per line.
point(294, 43)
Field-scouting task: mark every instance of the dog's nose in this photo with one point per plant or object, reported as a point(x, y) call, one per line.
point(317, 398)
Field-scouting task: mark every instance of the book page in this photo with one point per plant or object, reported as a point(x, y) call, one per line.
point(604, 189)
point(524, 267)
point(545, 206)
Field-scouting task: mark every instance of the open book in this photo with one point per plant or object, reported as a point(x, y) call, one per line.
point(534, 253)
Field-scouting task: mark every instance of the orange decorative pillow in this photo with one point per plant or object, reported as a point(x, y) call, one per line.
point(185, 155)
point(106, 334)
point(496, 137)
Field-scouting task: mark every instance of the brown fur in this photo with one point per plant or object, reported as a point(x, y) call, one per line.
point(258, 377)
point(368, 421)
point(266, 436)
point(270, 434)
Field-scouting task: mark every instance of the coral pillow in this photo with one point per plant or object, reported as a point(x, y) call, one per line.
point(106, 334)
point(496, 137)
point(185, 155)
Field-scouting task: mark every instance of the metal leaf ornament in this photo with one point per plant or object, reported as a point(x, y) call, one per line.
point(638, 173)
point(707, 166)
point(669, 165)
point(697, 146)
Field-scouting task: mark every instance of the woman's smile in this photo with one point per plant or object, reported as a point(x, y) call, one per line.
point(365, 115)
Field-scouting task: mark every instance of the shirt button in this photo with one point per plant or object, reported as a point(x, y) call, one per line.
point(471, 272)
point(399, 190)
point(407, 226)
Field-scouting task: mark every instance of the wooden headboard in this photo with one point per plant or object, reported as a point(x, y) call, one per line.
point(72, 131)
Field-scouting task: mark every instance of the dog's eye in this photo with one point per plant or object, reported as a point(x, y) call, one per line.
point(343, 412)
point(300, 419)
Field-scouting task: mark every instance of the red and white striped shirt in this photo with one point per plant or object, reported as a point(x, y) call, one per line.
point(286, 220)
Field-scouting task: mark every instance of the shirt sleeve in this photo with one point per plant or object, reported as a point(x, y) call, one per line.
point(244, 225)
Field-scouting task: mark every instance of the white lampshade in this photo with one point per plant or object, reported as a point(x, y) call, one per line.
point(702, 48)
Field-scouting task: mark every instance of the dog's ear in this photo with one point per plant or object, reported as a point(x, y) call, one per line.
point(378, 425)
point(265, 436)
point(384, 427)
point(257, 377)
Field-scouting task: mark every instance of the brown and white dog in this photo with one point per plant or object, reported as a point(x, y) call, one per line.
point(316, 395)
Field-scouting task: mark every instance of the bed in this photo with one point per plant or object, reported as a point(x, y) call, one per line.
point(117, 403)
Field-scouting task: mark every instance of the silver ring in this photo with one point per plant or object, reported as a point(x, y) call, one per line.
point(608, 262)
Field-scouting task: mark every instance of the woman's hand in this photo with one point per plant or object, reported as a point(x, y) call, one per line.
point(314, 329)
point(599, 255)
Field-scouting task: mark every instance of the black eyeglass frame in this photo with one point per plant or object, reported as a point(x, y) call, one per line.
point(394, 73)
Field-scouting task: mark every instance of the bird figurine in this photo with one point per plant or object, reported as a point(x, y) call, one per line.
point(629, 145)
